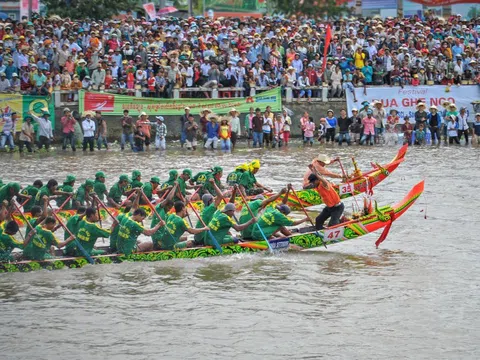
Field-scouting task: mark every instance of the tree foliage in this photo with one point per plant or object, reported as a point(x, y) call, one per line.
point(94, 9)
point(311, 8)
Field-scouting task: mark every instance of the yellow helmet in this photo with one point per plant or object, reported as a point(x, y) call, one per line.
point(243, 167)
point(255, 164)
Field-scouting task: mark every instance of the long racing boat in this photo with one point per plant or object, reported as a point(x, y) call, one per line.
point(380, 218)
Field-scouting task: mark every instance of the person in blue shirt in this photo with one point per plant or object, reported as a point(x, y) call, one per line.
point(212, 131)
point(434, 121)
point(367, 70)
point(348, 83)
point(10, 69)
point(331, 126)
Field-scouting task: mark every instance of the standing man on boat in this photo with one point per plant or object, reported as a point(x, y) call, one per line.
point(320, 163)
point(333, 206)
point(274, 221)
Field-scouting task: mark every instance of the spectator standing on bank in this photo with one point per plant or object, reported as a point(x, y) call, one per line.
point(380, 116)
point(332, 125)
point(344, 123)
point(144, 123)
point(235, 126)
point(127, 130)
point(160, 134)
point(191, 129)
point(287, 123)
point(368, 123)
point(45, 131)
point(267, 128)
point(434, 120)
point(224, 133)
point(68, 129)
point(101, 131)
point(356, 126)
point(463, 128)
point(8, 132)
point(27, 135)
point(183, 121)
point(212, 132)
point(88, 126)
point(257, 127)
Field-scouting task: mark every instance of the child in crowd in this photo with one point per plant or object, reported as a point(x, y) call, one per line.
point(322, 129)
point(308, 131)
point(407, 129)
point(420, 135)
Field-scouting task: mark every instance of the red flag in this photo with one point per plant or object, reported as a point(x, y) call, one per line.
point(386, 230)
point(328, 38)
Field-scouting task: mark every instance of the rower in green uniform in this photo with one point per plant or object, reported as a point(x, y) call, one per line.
point(49, 190)
point(131, 227)
point(31, 190)
point(87, 235)
point(73, 224)
point(99, 187)
point(248, 183)
point(38, 247)
point(256, 205)
point(172, 177)
point(274, 221)
point(200, 178)
point(234, 177)
point(7, 240)
point(176, 227)
point(221, 223)
point(82, 196)
point(182, 181)
point(136, 179)
point(9, 191)
point(216, 174)
point(163, 208)
point(117, 191)
point(114, 232)
point(149, 188)
point(209, 208)
point(38, 215)
point(67, 187)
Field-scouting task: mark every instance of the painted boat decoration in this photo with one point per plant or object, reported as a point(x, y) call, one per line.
point(380, 218)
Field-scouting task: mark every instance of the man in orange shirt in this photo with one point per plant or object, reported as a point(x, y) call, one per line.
point(144, 125)
point(319, 164)
point(333, 206)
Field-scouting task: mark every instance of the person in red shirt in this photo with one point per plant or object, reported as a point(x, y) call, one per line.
point(68, 129)
point(144, 125)
point(152, 85)
point(333, 206)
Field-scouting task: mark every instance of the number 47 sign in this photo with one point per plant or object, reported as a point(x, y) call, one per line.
point(333, 234)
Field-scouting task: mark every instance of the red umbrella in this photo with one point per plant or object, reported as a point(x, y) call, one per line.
point(167, 10)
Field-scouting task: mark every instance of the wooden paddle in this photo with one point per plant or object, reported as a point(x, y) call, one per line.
point(306, 214)
point(82, 250)
point(270, 249)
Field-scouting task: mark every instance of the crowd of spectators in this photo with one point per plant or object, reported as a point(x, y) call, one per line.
point(42, 54)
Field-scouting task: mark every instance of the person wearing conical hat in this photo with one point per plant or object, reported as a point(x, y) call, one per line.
point(67, 187)
point(212, 131)
point(320, 163)
point(421, 115)
point(435, 122)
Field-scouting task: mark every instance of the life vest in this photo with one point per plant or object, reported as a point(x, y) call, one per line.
point(328, 195)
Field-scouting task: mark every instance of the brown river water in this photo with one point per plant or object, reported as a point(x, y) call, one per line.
point(416, 297)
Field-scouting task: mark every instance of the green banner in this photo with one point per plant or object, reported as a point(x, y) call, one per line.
point(22, 104)
point(111, 104)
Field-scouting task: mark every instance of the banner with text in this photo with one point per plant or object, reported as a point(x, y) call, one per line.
point(22, 104)
point(405, 100)
point(111, 104)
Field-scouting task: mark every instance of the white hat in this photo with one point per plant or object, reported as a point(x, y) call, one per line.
point(324, 159)
point(143, 113)
point(433, 107)
point(233, 110)
point(160, 118)
point(14, 75)
point(354, 109)
point(186, 108)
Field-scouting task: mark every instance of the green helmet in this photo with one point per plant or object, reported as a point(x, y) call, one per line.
point(100, 174)
point(135, 174)
point(69, 179)
point(217, 169)
point(187, 172)
point(124, 177)
point(173, 174)
point(15, 186)
point(155, 179)
point(89, 183)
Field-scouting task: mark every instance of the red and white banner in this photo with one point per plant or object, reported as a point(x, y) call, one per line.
point(150, 10)
point(405, 100)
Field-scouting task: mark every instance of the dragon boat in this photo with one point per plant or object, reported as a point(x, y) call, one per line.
point(308, 197)
point(382, 217)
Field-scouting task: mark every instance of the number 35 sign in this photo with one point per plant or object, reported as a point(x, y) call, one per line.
point(346, 189)
point(333, 234)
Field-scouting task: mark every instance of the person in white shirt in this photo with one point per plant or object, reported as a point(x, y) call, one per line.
point(235, 126)
point(267, 128)
point(45, 131)
point(463, 127)
point(88, 126)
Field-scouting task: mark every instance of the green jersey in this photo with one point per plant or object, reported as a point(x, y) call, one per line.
point(207, 216)
point(34, 222)
point(270, 222)
point(116, 193)
point(234, 177)
point(100, 189)
point(209, 188)
point(87, 235)
point(245, 216)
point(5, 193)
point(81, 194)
point(157, 237)
point(32, 191)
point(39, 245)
point(176, 227)
point(114, 233)
point(167, 183)
point(247, 180)
point(60, 200)
point(220, 226)
point(7, 244)
point(201, 178)
point(127, 235)
point(73, 224)
point(43, 191)
point(148, 190)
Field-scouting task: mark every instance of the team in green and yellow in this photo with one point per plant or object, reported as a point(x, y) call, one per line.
point(170, 218)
